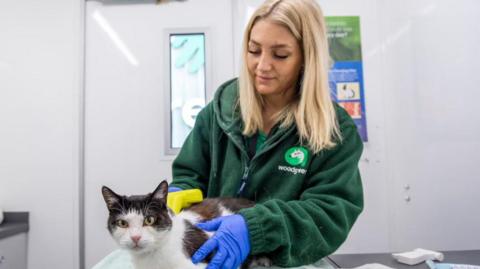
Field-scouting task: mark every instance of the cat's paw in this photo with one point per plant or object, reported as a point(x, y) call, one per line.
point(260, 261)
point(264, 261)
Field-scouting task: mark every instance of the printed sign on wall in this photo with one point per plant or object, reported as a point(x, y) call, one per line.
point(346, 74)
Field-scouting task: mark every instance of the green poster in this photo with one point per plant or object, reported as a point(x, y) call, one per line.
point(344, 38)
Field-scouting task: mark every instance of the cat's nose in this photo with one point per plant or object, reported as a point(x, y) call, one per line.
point(135, 238)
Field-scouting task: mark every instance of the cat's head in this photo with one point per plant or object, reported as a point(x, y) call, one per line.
point(139, 222)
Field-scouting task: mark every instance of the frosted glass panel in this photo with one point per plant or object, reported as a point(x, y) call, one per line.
point(187, 69)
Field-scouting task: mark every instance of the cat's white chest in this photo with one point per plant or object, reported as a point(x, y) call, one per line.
point(170, 254)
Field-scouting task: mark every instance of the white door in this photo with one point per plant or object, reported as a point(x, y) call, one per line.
point(127, 78)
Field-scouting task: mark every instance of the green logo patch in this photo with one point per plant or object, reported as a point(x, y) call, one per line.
point(297, 156)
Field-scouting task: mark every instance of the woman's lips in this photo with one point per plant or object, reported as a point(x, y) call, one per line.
point(264, 79)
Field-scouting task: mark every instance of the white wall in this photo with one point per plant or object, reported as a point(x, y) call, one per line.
point(40, 83)
point(430, 78)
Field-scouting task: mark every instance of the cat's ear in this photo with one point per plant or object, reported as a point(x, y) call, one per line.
point(161, 191)
point(111, 198)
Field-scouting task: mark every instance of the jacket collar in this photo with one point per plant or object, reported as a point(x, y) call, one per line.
point(227, 112)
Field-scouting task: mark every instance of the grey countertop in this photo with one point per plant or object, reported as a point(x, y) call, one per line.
point(14, 223)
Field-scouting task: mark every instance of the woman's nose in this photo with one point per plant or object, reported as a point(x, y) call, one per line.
point(264, 63)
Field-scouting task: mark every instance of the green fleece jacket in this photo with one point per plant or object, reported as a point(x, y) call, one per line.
point(306, 203)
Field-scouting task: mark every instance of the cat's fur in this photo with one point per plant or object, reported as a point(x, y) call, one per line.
point(171, 240)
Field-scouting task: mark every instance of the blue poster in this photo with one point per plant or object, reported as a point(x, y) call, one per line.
point(346, 85)
point(346, 75)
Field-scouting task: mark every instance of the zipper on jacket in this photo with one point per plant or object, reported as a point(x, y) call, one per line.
point(244, 181)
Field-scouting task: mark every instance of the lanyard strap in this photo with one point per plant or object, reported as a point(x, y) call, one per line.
point(252, 145)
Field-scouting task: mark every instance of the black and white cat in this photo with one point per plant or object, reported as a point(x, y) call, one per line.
point(156, 238)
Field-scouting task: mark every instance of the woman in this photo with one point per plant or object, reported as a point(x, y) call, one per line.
point(274, 136)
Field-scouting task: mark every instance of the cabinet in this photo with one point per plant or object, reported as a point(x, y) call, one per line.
point(13, 252)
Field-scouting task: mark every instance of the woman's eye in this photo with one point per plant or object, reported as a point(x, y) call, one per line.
point(150, 220)
point(281, 56)
point(254, 52)
point(121, 223)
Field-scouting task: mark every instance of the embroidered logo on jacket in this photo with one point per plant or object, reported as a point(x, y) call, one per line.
point(295, 156)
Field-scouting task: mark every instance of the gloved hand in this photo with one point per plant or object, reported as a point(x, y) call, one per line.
point(174, 189)
point(231, 241)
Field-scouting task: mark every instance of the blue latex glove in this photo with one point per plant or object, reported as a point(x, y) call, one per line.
point(174, 189)
point(231, 241)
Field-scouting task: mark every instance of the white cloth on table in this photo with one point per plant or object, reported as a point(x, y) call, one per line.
point(120, 259)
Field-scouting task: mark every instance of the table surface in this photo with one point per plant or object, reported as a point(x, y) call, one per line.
point(356, 260)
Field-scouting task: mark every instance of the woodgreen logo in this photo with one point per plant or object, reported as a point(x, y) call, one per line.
point(297, 156)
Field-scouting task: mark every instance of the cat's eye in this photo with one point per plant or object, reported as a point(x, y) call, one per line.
point(121, 223)
point(150, 220)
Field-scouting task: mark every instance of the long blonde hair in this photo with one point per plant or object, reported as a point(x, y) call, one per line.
point(313, 110)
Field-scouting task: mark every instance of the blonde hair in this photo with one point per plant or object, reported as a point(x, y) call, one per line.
point(313, 110)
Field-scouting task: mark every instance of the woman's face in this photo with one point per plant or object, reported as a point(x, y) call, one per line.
point(274, 59)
